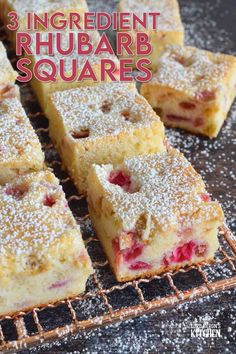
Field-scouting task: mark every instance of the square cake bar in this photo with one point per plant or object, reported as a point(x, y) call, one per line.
point(101, 124)
point(153, 214)
point(42, 256)
point(170, 29)
point(193, 89)
point(44, 89)
point(8, 76)
point(20, 149)
point(22, 7)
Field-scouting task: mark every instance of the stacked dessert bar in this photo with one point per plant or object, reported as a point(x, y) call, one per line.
point(153, 214)
point(193, 89)
point(101, 124)
point(42, 255)
point(148, 205)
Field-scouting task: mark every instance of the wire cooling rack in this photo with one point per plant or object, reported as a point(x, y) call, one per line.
point(106, 301)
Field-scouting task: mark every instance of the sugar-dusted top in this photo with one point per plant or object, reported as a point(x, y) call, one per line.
point(36, 223)
point(169, 19)
point(67, 60)
point(7, 74)
point(193, 71)
point(168, 191)
point(103, 110)
point(39, 7)
point(18, 140)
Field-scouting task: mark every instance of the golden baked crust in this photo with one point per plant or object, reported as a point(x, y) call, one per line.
point(161, 270)
point(20, 149)
point(193, 89)
point(170, 28)
point(55, 301)
point(103, 123)
point(152, 213)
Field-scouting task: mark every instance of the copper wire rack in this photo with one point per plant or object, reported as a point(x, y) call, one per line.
point(105, 301)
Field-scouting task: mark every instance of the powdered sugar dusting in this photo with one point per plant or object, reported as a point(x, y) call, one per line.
point(211, 160)
point(193, 71)
point(169, 330)
point(7, 74)
point(169, 19)
point(201, 28)
point(28, 225)
point(169, 190)
point(103, 109)
point(17, 137)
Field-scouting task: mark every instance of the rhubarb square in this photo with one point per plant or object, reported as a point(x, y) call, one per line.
point(170, 29)
point(42, 256)
point(152, 214)
point(8, 76)
point(193, 89)
point(22, 7)
point(20, 149)
point(101, 124)
point(43, 89)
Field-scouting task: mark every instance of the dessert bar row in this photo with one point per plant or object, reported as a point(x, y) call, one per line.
point(149, 206)
point(191, 88)
point(42, 255)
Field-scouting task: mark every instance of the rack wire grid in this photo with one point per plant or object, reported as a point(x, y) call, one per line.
point(105, 301)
